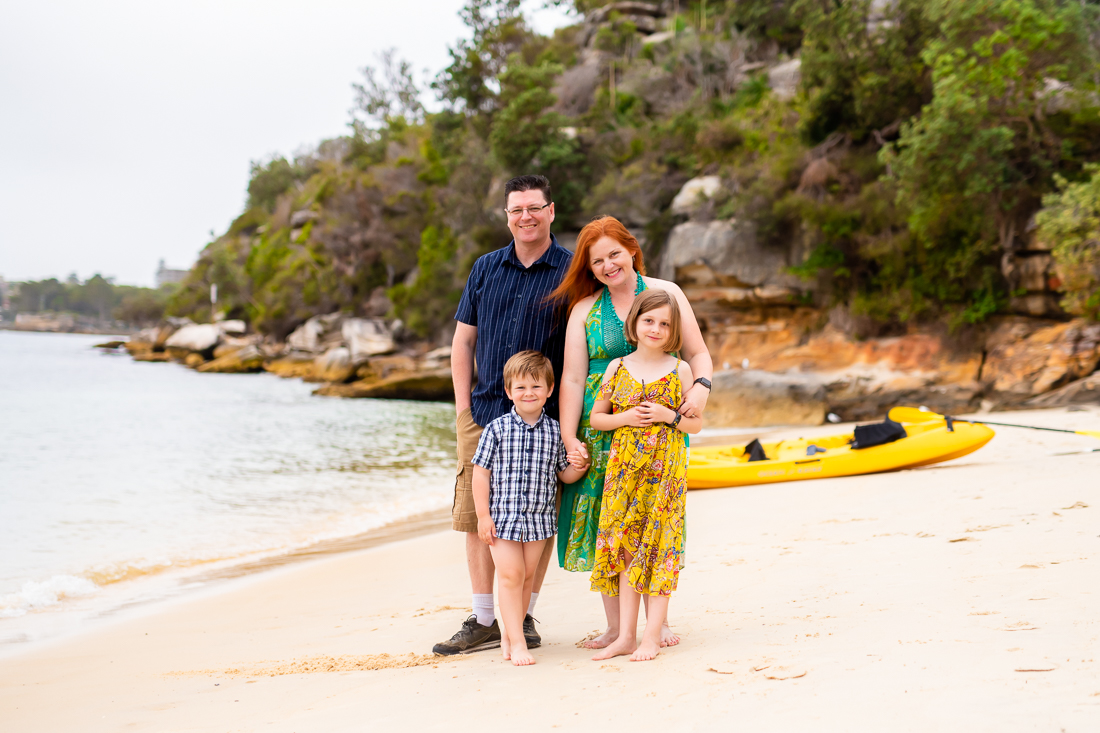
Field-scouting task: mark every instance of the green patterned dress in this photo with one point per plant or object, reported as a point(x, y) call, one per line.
point(579, 515)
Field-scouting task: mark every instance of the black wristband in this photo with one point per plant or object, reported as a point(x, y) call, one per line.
point(703, 381)
point(675, 420)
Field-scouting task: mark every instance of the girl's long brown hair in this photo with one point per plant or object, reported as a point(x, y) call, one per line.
point(579, 282)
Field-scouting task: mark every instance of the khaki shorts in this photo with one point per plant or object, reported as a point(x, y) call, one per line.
point(463, 513)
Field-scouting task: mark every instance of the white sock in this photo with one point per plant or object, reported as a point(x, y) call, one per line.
point(531, 605)
point(483, 609)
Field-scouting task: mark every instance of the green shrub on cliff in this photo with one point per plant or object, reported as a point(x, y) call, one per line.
point(1070, 225)
point(973, 165)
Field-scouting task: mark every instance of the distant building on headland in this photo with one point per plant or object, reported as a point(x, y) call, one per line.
point(165, 276)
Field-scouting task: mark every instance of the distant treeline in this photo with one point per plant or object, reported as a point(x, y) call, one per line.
point(947, 136)
point(96, 297)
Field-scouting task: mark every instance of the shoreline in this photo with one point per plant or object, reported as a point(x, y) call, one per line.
point(914, 600)
point(121, 601)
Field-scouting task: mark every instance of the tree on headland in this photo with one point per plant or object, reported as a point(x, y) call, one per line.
point(97, 297)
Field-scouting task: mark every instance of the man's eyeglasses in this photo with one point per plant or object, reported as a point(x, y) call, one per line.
point(532, 210)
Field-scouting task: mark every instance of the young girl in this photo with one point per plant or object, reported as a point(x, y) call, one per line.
point(639, 545)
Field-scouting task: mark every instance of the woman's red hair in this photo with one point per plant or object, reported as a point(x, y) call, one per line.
point(579, 282)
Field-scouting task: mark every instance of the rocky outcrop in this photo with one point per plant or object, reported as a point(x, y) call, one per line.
point(754, 397)
point(1082, 392)
point(726, 253)
point(1011, 362)
point(435, 385)
point(1026, 358)
point(293, 367)
point(363, 337)
point(244, 360)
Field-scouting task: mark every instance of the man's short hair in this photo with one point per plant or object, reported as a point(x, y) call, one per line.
point(651, 300)
point(528, 183)
point(528, 364)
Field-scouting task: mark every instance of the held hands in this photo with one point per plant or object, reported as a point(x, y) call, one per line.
point(578, 458)
point(486, 530)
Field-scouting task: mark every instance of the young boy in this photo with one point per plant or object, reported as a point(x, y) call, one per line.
point(518, 463)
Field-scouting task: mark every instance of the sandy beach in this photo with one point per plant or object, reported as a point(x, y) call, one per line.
point(959, 597)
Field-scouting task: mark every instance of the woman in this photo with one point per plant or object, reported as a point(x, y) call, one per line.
point(605, 275)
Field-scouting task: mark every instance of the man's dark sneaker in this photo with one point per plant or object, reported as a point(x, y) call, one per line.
point(472, 637)
point(529, 634)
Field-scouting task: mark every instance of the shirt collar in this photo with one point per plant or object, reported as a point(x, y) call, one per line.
point(554, 255)
point(523, 423)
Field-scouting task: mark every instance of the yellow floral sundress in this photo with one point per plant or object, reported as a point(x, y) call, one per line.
point(643, 498)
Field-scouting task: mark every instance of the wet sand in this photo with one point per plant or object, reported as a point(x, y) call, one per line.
point(958, 597)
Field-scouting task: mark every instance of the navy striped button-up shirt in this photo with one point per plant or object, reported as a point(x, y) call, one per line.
point(506, 302)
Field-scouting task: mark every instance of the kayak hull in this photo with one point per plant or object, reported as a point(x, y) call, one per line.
point(926, 444)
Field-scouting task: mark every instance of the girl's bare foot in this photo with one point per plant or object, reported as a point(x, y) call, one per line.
point(625, 644)
point(668, 636)
point(522, 657)
point(603, 640)
point(646, 650)
point(505, 647)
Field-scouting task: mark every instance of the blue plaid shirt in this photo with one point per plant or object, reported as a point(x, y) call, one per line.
point(506, 302)
point(524, 461)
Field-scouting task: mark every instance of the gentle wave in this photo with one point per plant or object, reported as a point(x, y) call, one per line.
point(51, 594)
point(36, 596)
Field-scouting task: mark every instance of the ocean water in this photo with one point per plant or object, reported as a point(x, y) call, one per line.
point(124, 482)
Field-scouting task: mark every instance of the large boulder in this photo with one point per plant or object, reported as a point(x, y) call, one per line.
point(366, 337)
point(785, 78)
point(723, 253)
point(695, 193)
point(335, 365)
point(314, 336)
point(233, 327)
point(752, 398)
point(196, 337)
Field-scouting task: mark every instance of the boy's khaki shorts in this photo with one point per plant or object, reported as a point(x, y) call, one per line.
point(463, 513)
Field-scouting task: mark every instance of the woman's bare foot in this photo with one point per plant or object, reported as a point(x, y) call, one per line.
point(625, 644)
point(646, 650)
point(603, 640)
point(505, 647)
point(668, 636)
point(522, 657)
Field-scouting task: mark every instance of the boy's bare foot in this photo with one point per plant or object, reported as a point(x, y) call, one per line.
point(603, 640)
point(646, 650)
point(668, 636)
point(522, 657)
point(505, 647)
point(625, 644)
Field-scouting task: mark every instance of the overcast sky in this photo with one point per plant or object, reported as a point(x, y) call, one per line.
point(127, 128)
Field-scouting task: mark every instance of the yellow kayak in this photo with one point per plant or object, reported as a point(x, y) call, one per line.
point(794, 460)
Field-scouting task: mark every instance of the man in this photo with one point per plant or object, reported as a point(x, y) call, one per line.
point(503, 311)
